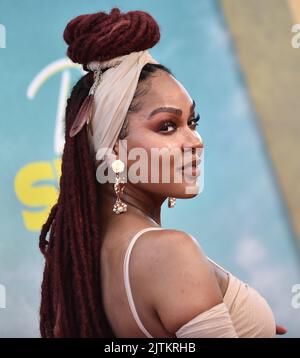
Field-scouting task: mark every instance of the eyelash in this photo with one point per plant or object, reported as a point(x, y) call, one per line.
point(167, 123)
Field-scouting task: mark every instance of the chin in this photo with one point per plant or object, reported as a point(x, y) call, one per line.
point(189, 196)
point(187, 191)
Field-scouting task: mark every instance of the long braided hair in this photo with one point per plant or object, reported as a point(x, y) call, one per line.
point(71, 296)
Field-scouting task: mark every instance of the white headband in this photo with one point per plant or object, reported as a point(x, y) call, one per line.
point(112, 97)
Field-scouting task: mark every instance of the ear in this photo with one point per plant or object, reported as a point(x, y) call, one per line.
point(116, 148)
point(120, 148)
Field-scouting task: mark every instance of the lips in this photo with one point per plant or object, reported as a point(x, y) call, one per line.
point(193, 164)
point(191, 169)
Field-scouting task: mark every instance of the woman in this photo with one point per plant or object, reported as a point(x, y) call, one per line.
point(170, 288)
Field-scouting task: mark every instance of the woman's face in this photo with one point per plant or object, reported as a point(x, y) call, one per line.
point(160, 141)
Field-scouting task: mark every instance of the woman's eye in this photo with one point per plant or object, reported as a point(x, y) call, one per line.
point(194, 121)
point(170, 126)
point(165, 127)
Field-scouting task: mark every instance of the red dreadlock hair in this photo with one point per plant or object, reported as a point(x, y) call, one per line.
point(71, 298)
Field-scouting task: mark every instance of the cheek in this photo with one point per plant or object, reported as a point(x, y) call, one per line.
point(147, 141)
point(147, 150)
point(152, 148)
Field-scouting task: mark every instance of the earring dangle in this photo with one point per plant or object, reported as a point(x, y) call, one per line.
point(171, 202)
point(119, 206)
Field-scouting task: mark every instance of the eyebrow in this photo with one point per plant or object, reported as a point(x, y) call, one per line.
point(171, 110)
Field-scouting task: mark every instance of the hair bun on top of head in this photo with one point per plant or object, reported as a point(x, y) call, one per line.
point(103, 36)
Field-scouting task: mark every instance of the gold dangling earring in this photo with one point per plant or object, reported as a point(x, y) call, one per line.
point(119, 206)
point(171, 202)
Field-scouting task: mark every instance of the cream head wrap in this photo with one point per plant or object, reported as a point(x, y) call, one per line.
point(113, 92)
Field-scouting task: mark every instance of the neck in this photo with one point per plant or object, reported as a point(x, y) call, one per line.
point(140, 203)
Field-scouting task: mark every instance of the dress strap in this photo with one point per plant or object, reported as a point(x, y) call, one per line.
point(220, 267)
point(127, 280)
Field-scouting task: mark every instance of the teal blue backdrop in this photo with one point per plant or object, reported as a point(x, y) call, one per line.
point(240, 218)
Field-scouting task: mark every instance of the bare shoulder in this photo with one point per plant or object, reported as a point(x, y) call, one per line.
point(178, 275)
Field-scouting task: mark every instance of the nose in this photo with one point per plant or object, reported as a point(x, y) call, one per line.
point(194, 142)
